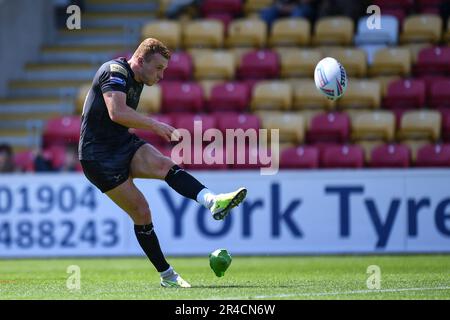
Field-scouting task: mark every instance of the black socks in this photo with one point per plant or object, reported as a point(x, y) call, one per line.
point(146, 237)
point(183, 183)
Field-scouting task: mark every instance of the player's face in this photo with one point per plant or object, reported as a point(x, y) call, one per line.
point(153, 70)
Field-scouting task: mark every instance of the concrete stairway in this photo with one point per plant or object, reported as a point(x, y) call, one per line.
point(49, 85)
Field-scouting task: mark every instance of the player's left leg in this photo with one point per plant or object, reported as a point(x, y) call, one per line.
point(128, 197)
point(149, 163)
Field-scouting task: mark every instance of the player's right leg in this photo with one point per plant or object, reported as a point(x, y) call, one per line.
point(128, 197)
point(149, 163)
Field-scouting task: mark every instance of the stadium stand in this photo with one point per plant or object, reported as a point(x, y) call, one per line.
point(230, 69)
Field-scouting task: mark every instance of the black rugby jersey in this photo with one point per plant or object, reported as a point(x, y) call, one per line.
point(99, 135)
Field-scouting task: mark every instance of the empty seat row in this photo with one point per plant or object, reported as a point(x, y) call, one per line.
point(293, 127)
point(296, 94)
point(352, 156)
point(333, 156)
point(254, 32)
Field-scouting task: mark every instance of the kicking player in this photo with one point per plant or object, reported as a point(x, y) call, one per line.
point(112, 157)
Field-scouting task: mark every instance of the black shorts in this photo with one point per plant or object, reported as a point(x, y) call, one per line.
point(111, 170)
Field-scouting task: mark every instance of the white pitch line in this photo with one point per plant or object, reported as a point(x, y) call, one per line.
point(318, 294)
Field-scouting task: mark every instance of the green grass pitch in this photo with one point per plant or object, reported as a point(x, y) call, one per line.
point(303, 277)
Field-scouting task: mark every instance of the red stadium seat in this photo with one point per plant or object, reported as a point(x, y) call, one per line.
point(389, 4)
point(433, 61)
point(399, 13)
point(259, 64)
point(300, 157)
point(232, 7)
point(229, 96)
point(150, 136)
point(234, 120)
point(405, 94)
point(62, 131)
point(331, 127)
point(433, 155)
point(445, 113)
point(439, 94)
point(179, 67)
point(343, 156)
point(24, 160)
point(186, 121)
point(181, 97)
point(390, 156)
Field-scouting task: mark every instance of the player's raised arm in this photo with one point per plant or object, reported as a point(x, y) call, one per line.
point(120, 113)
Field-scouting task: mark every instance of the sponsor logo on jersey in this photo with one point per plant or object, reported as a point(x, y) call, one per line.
point(118, 68)
point(117, 80)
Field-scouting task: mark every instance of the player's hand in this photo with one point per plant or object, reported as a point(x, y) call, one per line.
point(166, 131)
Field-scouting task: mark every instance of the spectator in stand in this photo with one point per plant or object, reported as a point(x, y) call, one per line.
point(41, 163)
point(71, 159)
point(350, 8)
point(289, 8)
point(6, 159)
point(60, 11)
point(177, 7)
point(444, 10)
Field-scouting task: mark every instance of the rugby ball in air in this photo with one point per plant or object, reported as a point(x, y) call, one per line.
point(330, 78)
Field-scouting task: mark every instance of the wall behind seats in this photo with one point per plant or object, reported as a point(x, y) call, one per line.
point(24, 26)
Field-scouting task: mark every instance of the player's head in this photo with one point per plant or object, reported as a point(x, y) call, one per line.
point(151, 59)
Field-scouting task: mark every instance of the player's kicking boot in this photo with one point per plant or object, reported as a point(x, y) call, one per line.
point(171, 279)
point(224, 202)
